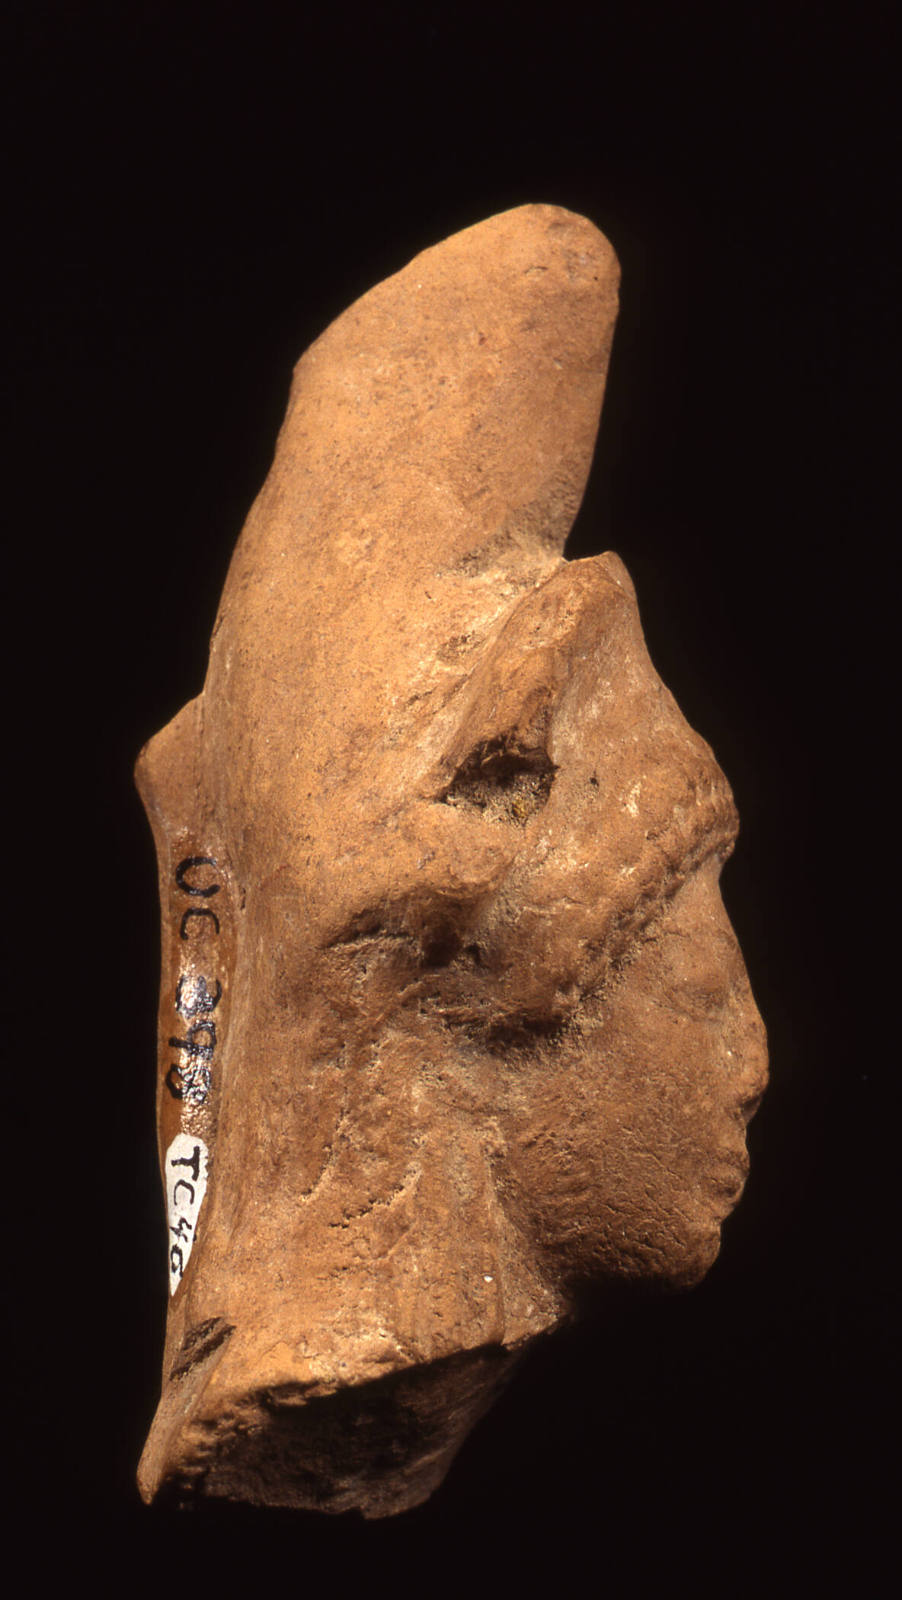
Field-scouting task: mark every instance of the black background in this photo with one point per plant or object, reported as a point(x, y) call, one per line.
point(192, 193)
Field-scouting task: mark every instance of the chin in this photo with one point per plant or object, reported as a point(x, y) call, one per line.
point(660, 1258)
point(696, 1260)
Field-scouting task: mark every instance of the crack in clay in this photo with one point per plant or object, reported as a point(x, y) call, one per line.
point(305, 1196)
point(199, 1343)
point(411, 1175)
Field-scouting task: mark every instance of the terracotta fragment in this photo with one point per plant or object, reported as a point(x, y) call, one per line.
point(452, 1019)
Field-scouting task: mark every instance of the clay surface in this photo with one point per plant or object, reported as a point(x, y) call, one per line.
point(452, 1019)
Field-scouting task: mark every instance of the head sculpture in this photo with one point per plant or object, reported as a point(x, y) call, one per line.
point(452, 1019)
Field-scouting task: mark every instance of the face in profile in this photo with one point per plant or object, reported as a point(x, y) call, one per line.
point(530, 978)
point(517, 967)
point(625, 1133)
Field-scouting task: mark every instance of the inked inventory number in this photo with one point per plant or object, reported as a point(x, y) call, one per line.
point(187, 1160)
point(196, 998)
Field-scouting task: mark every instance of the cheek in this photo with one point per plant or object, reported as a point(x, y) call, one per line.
point(617, 1151)
point(660, 1083)
point(675, 1093)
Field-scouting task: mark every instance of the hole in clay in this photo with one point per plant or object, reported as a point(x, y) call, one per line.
point(506, 784)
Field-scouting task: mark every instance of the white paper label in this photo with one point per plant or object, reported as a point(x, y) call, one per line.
point(186, 1185)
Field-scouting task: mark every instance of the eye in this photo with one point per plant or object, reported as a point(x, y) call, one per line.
point(696, 975)
point(702, 999)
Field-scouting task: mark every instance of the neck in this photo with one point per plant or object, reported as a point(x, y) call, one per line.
point(354, 1388)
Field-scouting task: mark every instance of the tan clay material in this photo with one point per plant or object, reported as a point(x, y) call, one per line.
point(452, 1018)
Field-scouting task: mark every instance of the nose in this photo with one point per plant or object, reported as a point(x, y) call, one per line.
point(749, 1050)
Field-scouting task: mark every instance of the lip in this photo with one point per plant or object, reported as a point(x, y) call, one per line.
point(728, 1178)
